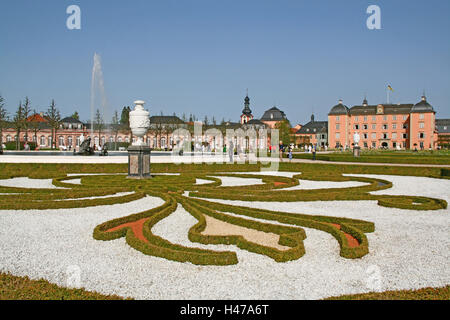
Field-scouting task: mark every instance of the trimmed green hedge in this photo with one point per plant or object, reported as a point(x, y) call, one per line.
point(157, 246)
point(172, 188)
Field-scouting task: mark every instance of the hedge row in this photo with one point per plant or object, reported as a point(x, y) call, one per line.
point(289, 236)
point(157, 246)
point(263, 193)
point(354, 227)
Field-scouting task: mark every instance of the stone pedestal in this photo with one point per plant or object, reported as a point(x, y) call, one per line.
point(356, 151)
point(139, 162)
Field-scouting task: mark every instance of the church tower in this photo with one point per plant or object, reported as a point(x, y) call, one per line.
point(246, 113)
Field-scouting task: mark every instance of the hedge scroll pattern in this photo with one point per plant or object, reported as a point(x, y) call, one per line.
point(182, 191)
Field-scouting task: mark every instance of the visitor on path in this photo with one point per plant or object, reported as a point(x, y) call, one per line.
point(281, 151)
point(290, 154)
point(314, 152)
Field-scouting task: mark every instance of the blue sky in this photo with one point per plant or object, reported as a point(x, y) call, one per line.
point(199, 56)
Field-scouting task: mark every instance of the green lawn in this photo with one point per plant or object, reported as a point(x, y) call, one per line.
point(421, 294)
point(22, 288)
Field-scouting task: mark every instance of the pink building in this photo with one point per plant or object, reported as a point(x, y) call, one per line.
point(392, 126)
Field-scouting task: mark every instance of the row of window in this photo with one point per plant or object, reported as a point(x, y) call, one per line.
point(385, 117)
point(384, 126)
point(43, 141)
point(394, 135)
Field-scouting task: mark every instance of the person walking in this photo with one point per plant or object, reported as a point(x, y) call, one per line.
point(290, 154)
point(314, 152)
point(281, 151)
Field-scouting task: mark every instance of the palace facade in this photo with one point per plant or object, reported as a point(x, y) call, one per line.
point(159, 135)
point(392, 126)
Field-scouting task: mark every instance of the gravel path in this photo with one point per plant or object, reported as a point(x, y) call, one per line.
point(309, 185)
point(236, 181)
point(409, 249)
point(29, 183)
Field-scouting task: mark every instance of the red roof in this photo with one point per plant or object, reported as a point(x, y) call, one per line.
point(36, 118)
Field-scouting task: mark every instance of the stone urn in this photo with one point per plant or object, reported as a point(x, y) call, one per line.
point(356, 148)
point(139, 152)
point(139, 122)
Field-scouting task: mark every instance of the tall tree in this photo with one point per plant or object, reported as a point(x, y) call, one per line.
point(284, 129)
point(34, 126)
point(99, 125)
point(54, 120)
point(115, 127)
point(26, 113)
point(125, 121)
point(18, 123)
point(75, 115)
point(3, 119)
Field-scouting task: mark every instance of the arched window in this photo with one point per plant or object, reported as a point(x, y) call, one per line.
point(96, 141)
point(50, 141)
point(163, 142)
point(111, 139)
point(119, 139)
point(69, 139)
point(8, 138)
point(61, 140)
point(42, 142)
point(127, 139)
point(103, 140)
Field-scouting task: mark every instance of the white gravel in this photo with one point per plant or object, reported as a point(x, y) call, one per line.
point(29, 183)
point(287, 174)
point(309, 185)
point(409, 249)
point(202, 181)
point(72, 181)
point(237, 181)
point(115, 195)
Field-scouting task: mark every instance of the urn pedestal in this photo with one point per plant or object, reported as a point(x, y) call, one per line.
point(139, 162)
point(356, 151)
point(139, 152)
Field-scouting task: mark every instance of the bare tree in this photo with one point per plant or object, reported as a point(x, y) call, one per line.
point(35, 126)
point(54, 120)
point(18, 124)
point(99, 124)
point(26, 109)
point(115, 127)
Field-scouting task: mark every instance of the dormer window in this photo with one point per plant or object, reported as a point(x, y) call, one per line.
point(271, 116)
